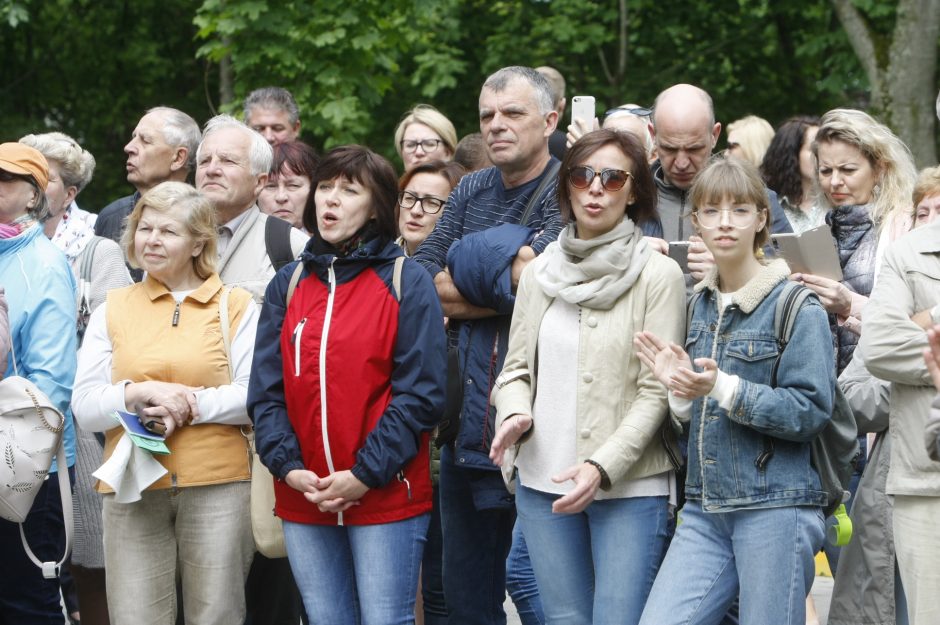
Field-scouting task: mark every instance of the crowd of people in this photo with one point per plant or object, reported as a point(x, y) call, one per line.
point(542, 359)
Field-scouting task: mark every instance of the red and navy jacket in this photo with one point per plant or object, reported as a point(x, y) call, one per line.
point(350, 377)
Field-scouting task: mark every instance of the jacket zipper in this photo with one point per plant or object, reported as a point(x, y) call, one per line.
point(323, 345)
point(176, 315)
point(298, 333)
point(404, 480)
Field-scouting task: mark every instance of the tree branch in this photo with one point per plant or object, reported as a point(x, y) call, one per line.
point(622, 57)
point(861, 39)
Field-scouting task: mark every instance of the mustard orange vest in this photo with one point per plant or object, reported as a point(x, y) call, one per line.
point(148, 345)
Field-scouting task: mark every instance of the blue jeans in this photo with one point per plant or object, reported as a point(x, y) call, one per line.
point(596, 566)
point(766, 555)
point(25, 595)
point(476, 544)
point(357, 574)
point(520, 581)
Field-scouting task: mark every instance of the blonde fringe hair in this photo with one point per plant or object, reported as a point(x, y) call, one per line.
point(185, 203)
point(889, 157)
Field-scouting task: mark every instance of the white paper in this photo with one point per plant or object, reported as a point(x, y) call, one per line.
point(129, 471)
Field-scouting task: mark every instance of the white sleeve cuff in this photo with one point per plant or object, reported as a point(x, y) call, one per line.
point(681, 408)
point(725, 388)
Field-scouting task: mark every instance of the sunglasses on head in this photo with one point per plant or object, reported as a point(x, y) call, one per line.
point(639, 111)
point(611, 179)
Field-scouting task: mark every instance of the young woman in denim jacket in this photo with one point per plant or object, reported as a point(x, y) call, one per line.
point(753, 521)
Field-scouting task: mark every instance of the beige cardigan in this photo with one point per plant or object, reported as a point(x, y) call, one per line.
point(622, 407)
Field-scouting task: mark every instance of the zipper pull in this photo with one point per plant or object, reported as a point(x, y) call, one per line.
point(404, 480)
point(176, 315)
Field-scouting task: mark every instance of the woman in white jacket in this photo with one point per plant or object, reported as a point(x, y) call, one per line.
point(594, 455)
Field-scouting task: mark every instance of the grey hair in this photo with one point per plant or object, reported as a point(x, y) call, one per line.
point(273, 98)
point(76, 166)
point(260, 153)
point(40, 212)
point(180, 130)
point(501, 79)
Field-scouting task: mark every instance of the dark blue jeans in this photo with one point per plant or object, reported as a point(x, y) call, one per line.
point(476, 544)
point(432, 568)
point(25, 596)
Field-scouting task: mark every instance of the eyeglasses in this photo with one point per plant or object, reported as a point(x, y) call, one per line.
point(639, 111)
point(428, 145)
point(429, 204)
point(611, 179)
point(710, 217)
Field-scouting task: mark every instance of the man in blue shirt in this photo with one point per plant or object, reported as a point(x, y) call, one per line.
point(516, 119)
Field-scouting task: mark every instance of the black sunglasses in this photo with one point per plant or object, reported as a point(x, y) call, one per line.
point(611, 179)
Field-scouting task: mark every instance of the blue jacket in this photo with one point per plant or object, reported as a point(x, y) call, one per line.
point(481, 203)
point(41, 294)
point(728, 465)
point(480, 265)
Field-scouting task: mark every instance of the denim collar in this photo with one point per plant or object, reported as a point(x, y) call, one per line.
point(759, 287)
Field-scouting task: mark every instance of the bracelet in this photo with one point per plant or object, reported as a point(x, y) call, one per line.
point(605, 479)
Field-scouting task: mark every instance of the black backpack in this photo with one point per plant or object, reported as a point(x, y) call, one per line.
point(277, 242)
point(835, 451)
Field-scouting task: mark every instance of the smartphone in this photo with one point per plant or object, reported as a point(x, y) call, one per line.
point(582, 107)
point(679, 252)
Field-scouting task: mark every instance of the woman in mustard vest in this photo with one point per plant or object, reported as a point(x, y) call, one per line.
point(158, 349)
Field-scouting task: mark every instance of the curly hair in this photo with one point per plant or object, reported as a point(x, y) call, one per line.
point(781, 166)
point(889, 157)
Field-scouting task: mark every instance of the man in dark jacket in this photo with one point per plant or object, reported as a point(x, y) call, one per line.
point(516, 118)
point(162, 147)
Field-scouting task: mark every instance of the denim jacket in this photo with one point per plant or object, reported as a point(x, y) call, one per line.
point(757, 454)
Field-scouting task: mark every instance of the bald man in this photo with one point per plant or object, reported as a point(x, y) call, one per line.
point(685, 133)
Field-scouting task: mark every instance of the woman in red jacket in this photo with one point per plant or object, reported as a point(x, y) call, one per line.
point(347, 382)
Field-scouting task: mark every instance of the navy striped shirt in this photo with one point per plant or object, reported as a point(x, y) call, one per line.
point(480, 201)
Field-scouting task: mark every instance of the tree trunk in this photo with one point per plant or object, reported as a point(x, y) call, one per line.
point(909, 81)
point(901, 84)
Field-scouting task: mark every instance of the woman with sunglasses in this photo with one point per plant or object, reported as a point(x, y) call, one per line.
point(752, 523)
point(594, 467)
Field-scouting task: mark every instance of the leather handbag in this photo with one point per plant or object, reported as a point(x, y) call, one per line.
point(266, 528)
point(31, 435)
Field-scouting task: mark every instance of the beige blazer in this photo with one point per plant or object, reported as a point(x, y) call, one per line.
point(622, 407)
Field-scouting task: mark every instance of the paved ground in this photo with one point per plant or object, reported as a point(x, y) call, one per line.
point(822, 593)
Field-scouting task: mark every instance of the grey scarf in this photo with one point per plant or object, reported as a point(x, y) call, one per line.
point(593, 273)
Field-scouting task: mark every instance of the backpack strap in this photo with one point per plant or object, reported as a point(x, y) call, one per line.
point(396, 277)
point(277, 242)
point(788, 305)
point(294, 279)
point(550, 173)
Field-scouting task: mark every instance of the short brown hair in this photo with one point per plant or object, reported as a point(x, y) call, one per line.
point(734, 179)
point(644, 188)
point(367, 168)
point(193, 209)
point(928, 184)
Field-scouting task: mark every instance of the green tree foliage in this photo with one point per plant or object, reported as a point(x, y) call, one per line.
point(90, 69)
